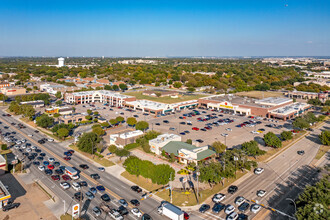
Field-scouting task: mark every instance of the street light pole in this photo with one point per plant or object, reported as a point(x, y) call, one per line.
point(295, 206)
point(197, 173)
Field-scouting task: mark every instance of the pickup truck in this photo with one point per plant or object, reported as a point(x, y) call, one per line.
point(115, 214)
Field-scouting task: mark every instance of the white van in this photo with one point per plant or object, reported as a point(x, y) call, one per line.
point(75, 186)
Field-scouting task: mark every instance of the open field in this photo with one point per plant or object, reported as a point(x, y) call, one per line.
point(260, 94)
point(323, 149)
point(168, 99)
point(102, 161)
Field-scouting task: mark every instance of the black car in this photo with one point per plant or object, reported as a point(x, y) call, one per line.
point(40, 158)
point(182, 123)
point(136, 189)
point(83, 183)
point(300, 152)
point(146, 217)
point(232, 189)
point(105, 198)
point(48, 172)
point(122, 210)
point(78, 196)
point(204, 208)
point(244, 207)
point(10, 206)
point(84, 166)
point(37, 163)
point(42, 154)
point(218, 207)
point(36, 131)
point(158, 124)
point(31, 157)
point(57, 164)
point(242, 216)
point(59, 172)
point(199, 140)
point(135, 202)
point(95, 176)
point(41, 142)
point(166, 121)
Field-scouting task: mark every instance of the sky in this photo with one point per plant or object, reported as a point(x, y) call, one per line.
point(162, 28)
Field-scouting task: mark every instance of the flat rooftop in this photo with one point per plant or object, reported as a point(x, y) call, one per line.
point(164, 137)
point(102, 92)
point(294, 107)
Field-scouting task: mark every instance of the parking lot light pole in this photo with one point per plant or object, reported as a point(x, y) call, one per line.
point(197, 174)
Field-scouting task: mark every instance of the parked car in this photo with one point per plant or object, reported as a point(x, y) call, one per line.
point(255, 208)
point(243, 207)
point(218, 207)
point(229, 209)
point(10, 206)
point(218, 197)
point(204, 208)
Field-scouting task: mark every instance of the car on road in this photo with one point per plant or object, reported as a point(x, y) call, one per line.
point(51, 159)
point(229, 209)
point(83, 183)
point(255, 208)
point(136, 212)
point(146, 216)
point(100, 188)
point(55, 177)
point(218, 197)
point(122, 210)
point(135, 202)
point(48, 172)
point(232, 189)
point(195, 129)
point(199, 140)
point(224, 134)
point(105, 197)
point(301, 152)
point(51, 167)
point(84, 166)
point(232, 216)
point(57, 164)
point(261, 193)
point(78, 196)
point(123, 202)
point(75, 177)
point(66, 177)
point(30, 135)
point(158, 124)
point(96, 211)
point(258, 170)
point(136, 189)
point(75, 186)
point(89, 195)
point(65, 185)
point(41, 168)
point(95, 176)
point(59, 171)
point(218, 207)
point(242, 216)
point(10, 206)
point(93, 190)
point(243, 207)
point(101, 169)
point(67, 153)
point(67, 158)
point(204, 208)
point(239, 200)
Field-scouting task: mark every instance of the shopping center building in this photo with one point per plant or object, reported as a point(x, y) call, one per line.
point(272, 107)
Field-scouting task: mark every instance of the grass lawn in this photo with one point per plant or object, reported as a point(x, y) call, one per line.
point(66, 217)
point(167, 99)
point(101, 161)
point(323, 149)
point(180, 198)
point(260, 94)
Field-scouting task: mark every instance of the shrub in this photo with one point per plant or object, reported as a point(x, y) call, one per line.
point(131, 146)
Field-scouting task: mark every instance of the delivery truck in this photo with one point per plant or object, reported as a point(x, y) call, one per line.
point(171, 211)
point(71, 171)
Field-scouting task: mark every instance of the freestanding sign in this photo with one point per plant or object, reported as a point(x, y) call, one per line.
point(75, 210)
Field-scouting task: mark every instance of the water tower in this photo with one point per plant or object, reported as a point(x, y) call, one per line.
point(60, 62)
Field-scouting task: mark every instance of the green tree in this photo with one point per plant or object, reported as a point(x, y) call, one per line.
point(115, 88)
point(4, 147)
point(88, 117)
point(131, 121)
point(96, 113)
point(286, 135)
point(62, 132)
point(58, 95)
point(172, 158)
point(122, 153)
point(301, 123)
point(252, 149)
point(89, 111)
point(58, 103)
point(105, 124)
point(113, 121)
point(56, 115)
point(177, 85)
point(14, 108)
point(27, 111)
point(325, 137)
point(122, 86)
point(189, 141)
point(315, 102)
point(142, 125)
point(191, 89)
point(112, 148)
point(327, 103)
point(119, 119)
point(219, 147)
point(272, 140)
point(88, 141)
point(44, 121)
point(158, 94)
point(95, 120)
point(99, 131)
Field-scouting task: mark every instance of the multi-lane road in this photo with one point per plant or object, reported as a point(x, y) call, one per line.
point(114, 187)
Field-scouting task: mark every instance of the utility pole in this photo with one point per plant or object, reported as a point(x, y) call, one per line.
point(197, 173)
point(171, 186)
point(80, 197)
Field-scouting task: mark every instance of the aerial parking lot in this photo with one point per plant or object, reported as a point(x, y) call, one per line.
point(205, 126)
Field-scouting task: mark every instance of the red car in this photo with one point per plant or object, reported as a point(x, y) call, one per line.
point(55, 177)
point(67, 158)
point(186, 216)
point(51, 167)
point(66, 177)
point(195, 128)
point(294, 131)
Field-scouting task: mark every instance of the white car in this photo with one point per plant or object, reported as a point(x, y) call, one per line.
point(255, 208)
point(75, 186)
point(75, 177)
point(28, 150)
point(261, 193)
point(254, 132)
point(50, 140)
point(30, 135)
point(16, 146)
point(218, 197)
point(258, 170)
point(224, 135)
point(101, 169)
point(136, 212)
point(229, 209)
point(18, 142)
point(50, 159)
point(229, 129)
point(33, 147)
point(41, 168)
point(65, 185)
point(23, 140)
point(232, 216)
point(239, 200)
point(23, 146)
